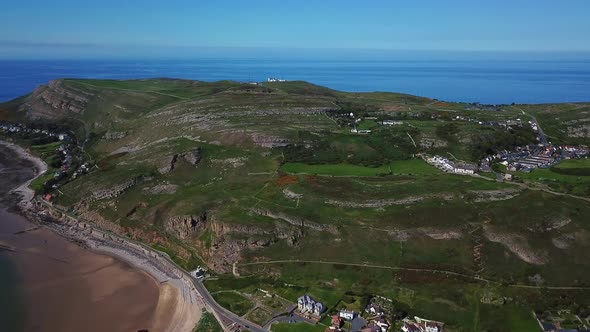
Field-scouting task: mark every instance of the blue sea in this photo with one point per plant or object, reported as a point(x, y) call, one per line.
point(492, 81)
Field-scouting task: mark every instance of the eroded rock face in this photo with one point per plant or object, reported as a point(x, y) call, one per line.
point(231, 240)
point(55, 100)
point(113, 192)
point(184, 227)
point(193, 156)
point(166, 164)
point(517, 244)
point(296, 221)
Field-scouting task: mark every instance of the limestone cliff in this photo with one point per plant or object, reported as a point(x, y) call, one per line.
point(55, 100)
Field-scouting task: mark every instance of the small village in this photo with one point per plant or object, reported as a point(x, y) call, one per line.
point(379, 315)
point(526, 159)
point(68, 161)
point(522, 159)
point(17, 128)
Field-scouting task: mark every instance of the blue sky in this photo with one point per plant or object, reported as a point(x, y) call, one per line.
point(131, 28)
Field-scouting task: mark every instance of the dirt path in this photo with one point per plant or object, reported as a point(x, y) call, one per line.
point(527, 186)
point(397, 268)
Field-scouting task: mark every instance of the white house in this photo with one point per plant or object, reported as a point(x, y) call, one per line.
point(382, 324)
point(391, 123)
point(464, 170)
point(347, 314)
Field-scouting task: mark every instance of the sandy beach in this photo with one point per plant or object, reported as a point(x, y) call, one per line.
point(102, 285)
point(38, 167)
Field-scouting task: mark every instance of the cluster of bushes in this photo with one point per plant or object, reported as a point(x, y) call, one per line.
point(491, 140)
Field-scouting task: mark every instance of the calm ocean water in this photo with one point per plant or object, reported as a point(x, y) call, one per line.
point(493, 81)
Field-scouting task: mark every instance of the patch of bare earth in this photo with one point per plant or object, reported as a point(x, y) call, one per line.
point(388, 202)
point(494, 195)
point(517, 244)
point(165, 188)
point(431, 232)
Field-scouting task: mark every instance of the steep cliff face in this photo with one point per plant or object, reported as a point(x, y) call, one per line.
point(230, 241)
point(184, 227)
point(55, 100)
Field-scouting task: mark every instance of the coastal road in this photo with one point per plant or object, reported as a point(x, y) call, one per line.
point(541, 133)
point(221, 311)
point(222, 314)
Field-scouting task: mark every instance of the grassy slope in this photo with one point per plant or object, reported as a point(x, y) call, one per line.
point(208, 323)
point(224, 119)
point(297, 327)
point(234, 302)
point(572, 176)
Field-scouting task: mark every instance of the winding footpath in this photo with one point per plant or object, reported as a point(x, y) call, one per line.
point(398, 268)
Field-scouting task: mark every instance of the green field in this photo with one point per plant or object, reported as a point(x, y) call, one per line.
point(234, 302)
point(335, 170)
point(406, 167)
point(569, 176)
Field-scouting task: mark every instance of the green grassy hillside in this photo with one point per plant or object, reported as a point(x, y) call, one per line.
point(270, 177)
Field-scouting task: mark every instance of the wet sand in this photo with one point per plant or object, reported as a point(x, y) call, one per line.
point(68, 288)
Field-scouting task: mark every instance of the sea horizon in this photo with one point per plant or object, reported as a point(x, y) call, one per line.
point(495, 80)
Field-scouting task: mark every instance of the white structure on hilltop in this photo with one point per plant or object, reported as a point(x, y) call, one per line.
point(273, 79)
point(306, 304)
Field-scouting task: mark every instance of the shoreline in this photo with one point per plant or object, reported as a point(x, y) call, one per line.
point(178, 308)
point(25, 193)
point(178, 297)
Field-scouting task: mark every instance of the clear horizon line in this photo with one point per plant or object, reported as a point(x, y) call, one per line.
point(33, 44)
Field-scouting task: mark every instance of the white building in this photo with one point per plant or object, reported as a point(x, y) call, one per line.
point(347, 314)
point(391, 123)
point(306, 304)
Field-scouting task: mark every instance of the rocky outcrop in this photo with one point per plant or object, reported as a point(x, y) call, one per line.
point(55, 100)
point(231, 240)
point(113, 192)
point(161, 189)
point(193, 156)
point(279, 231)
point(517, 244)
point(167, 163)
point(114, 135)
point(388, 202)
point(431, 232)
point(296, 221)
point(493, 195)
point(184, 227)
